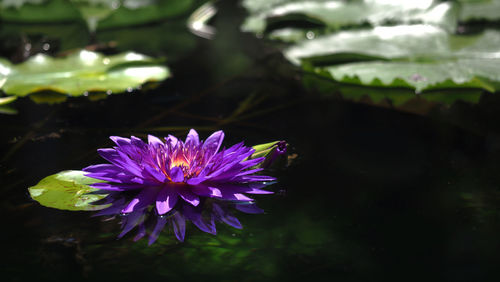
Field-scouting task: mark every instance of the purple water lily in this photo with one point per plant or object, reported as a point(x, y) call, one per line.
point(173, 173)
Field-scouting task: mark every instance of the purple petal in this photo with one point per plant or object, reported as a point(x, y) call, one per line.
point(115, 187)
point(249, 208)
point(172, 140)
point(254, 178)
point(102, 168)
point(158, 175)
point(166, 199)
point(109, 154)
point(207, 191)
point(196, 180)
point(115, 209)
point(195, 217)
point(120, 141)
point(237, 197)
point(192, 138)
point(155, 141)
point(179, 224)
point(188, 196)
point(141, 233)
point(142, 200)
point(118, 178)
point(232, 193)
point(226, 217)
point(176, 174)
point(129, 164)
point(130, 221)
point(160, 223)
point(213, 143)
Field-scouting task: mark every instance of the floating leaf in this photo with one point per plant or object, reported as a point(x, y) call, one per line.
point(67, 190)
point(464, 73)
point(417, 56)
point(97, 13)
point(40, 12)
point(338, 14)
point(136, 13)
point(480, 10)
point(79, 73)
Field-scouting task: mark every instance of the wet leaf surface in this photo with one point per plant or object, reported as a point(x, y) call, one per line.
point(67, 190)
point(341, 14)
point(80, 73)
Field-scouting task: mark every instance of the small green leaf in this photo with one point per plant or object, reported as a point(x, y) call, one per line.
point(67, 190)
point(79, 73)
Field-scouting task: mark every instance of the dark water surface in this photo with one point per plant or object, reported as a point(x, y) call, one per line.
point(372, 193)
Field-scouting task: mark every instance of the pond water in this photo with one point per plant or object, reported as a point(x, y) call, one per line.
point(369, 193)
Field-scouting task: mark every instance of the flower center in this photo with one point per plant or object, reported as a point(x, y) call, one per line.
point(180, 162)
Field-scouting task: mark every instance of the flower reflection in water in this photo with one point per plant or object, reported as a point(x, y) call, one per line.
point(149, 223)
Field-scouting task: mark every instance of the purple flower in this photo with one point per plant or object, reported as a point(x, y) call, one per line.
point(174, 173)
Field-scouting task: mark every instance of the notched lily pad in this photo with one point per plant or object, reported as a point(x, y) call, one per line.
point(340, 14)
point(80, 73)
point(473, 10)
point(67, 190)
point(417, 56)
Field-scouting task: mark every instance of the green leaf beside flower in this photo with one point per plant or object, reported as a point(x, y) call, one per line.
point(67, 190)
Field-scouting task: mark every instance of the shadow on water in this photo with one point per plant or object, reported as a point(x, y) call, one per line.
point(371, 193)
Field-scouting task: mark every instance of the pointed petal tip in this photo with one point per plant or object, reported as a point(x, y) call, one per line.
point(153, 140)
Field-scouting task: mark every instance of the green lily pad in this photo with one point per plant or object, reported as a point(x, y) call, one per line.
point(136, 13)
point(480, 10)
point(80, 73)
point(48, 11)
point(96, 13)
point(463, 73)
point(420, 57)
point(67, 190)
point(339, 14)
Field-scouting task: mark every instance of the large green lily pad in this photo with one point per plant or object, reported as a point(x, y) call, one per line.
point(421, 57)
point(480, 10)
point(80, 73)
point(67, 190)
point(339, 14)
